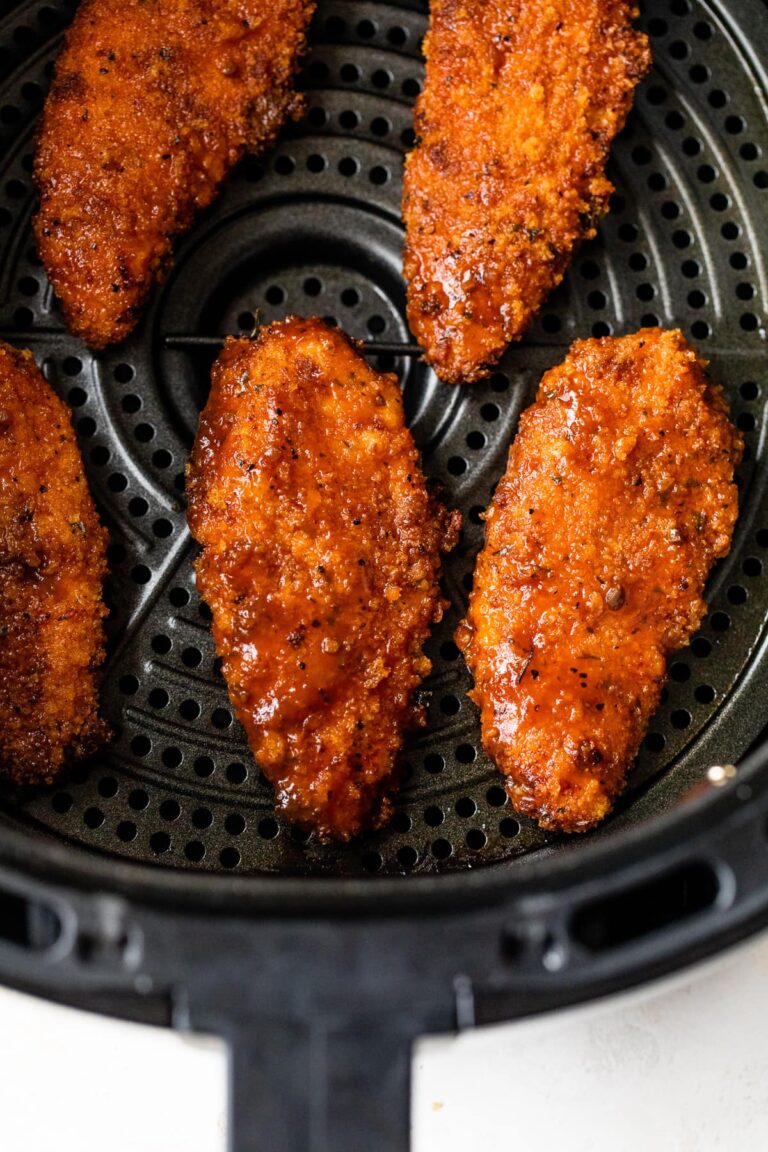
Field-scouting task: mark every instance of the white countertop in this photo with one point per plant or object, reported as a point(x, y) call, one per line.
point(678, 1067)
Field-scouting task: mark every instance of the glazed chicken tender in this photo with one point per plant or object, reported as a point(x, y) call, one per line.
point(153, 103)
point(617, 499)
point(52, 564)
point(320, 563)
point(520, 105)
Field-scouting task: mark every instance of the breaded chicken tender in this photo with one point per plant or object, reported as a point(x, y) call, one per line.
point(52, 564)
point(520, 105)
point(617, 499)
point(320, 563)
point(153, 103)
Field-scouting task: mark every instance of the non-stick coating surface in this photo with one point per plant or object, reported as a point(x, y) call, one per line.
point(314, 228)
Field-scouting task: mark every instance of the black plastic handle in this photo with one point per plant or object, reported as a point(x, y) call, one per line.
point(308, 1087)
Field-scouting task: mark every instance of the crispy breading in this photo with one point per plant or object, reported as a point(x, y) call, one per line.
point(52, 564)
point(520, 105)
point(153, 103)
point(320, 563)
point(617, 499)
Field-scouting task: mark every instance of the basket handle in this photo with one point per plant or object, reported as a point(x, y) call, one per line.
point(314, 1087)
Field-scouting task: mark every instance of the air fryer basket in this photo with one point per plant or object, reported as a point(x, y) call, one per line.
point(148, 882)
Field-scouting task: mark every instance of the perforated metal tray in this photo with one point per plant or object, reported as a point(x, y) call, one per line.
point(314, 227)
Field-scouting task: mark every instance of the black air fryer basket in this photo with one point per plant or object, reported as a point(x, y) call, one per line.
point(156, 882)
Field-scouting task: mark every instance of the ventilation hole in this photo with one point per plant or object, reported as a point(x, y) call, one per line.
point(704, 693)
point(202, 818)
point(194, 851)
point(189, 709)
point(701, 647)
point(680, 718)
point(100, 455)
point(335, 26)
point(745, 292)
point(637, 262)
point(141, 746)
point(589, 270)
point(720, 621)
point(191, 657)
point(476, 839)
point(465, 807)
point(490, 412)
point(657, 26)
point(760, 180)
point(748, 321)
point(681, 238)
point(649, 320)
point(203, 767)
point(737, 594)
point(349, 73)
point(138, 800)
point(551, 323)
point(696, 299)
point(476, 514)
point(496, 796)
point(690, 269)
point(348, 166)
point(158, 698)
point(371, 861)
point(457, 465)
point(159, 842)
point(126, 831)
point(140, 574)
point(237, 773)
point(408, 137)
point(410, 87)
point(378, 175)
point(717, 98)
point(234, 824)
point(656, 181)
point(349, 119)
point(401, 822)
point(450, 705)
point(434, 763)
point(221, 718)
point(752, 566)
point(748, 151)
point(172, 757)
point(600, 329)
point(350, 297)
point(229, 857)
point(680, 672)
point(170, 810)
point(268, 828)
point(61, 802)
point(380, 126)
point(93, 817)
point(465, 753)
point(434, 816)
point(162, 458)
point(117, 482)
point(509, 827)
point(645, 292)
point(284, 165)
point(655, 742)
point(86, 426)
point(138, 506)
point(700, 329)
point(129, 685)
point(407, 856)
point(162, 529)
